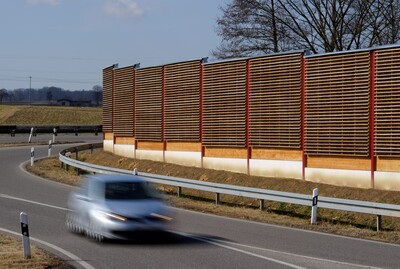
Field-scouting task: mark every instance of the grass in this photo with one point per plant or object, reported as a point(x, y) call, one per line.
point(330, 221)
point(49, 115)
point(11, 256)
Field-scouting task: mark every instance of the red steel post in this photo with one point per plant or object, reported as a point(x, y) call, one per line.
point(134, 110)
point(372, 117)
point(201, 109)
point(248, 81)
point(303, 114)
point(163, 113)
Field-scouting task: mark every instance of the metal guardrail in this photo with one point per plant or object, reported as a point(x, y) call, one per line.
point(379, 209)
point(16, 129)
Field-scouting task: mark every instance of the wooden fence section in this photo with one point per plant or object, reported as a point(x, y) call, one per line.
point(224, 104)
point(275, 101)
point(182, 101)
point(149, 104)
point(337, 104)
point(335, 111)
point(108, 99)
point(123, 118)
point(387, 102)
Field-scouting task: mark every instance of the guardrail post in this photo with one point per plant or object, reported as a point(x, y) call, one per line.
point(378, 223)
point(261, 204)
point(68, 155)
point(179, 191)
point(32, 155)
point(25, 235)
point(217, 198)
point(314, 206)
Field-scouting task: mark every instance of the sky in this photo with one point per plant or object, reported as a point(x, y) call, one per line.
point(67, 43)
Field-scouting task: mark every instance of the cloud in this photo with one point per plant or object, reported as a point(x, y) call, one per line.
point(123, 9)
point(50, 2)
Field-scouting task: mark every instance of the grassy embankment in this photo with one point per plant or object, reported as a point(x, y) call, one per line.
point(46, 115)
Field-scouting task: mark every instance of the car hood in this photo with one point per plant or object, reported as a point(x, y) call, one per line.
point(136, 208)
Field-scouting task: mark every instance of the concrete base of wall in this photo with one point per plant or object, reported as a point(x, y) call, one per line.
point(186, 158)
point(108, 145)
point(227, 164)
point(266, 168)
point(125, 150)
point(338, 177)
point(387, 181)
point(153, 155)
point(276, 168)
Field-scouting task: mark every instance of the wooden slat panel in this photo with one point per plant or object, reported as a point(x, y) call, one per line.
point(124, 140)
point(149, 104)
point(226, 153)
point(359, 163)
point(277, 154)
point(123, 122)
point(183, 146)
point(387, 102)
point(224, 110)
point(108, 99)
point(275, 101)
point(182, 101)
point(337, 104)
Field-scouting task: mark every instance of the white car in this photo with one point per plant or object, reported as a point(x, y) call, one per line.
point(115, 206)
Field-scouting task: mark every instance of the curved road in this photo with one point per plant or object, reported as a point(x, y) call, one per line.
point(196, 240)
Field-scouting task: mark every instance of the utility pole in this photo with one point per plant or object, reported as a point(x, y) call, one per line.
point(30, 89)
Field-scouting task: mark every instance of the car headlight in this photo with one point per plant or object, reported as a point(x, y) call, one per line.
point(161, 217)
point(110, 216)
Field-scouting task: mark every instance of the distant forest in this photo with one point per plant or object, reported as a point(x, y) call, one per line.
point(51, 95)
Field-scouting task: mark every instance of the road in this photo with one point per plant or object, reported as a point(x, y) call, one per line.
point(196, 240)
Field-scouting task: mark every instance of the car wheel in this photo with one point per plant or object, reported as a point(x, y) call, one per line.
point(72, 223)
point(93, 231)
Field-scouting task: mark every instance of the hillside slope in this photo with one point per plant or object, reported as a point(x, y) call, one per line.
point(49, 115)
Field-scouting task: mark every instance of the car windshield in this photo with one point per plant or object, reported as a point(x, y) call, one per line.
point(125, 191)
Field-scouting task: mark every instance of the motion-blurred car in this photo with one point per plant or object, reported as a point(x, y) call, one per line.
point(115, 206)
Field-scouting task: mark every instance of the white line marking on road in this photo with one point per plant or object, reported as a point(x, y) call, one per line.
point(63, 251)
point(31, 202)
point(295, 255)
point(223, 245)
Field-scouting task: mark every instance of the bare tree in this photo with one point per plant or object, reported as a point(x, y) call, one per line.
point(384, 22)
point(3, 94)
point(97, 94)
point(249, 27)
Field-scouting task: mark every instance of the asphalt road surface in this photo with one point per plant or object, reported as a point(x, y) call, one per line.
point(195, 240)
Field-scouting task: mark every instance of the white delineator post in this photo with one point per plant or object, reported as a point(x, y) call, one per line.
point(54, 134)
point(30, 135)
point(32, 155)
point(314, 206)
point(49, 151)
point(25, 235)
